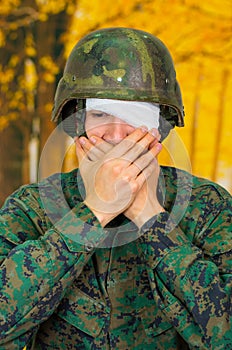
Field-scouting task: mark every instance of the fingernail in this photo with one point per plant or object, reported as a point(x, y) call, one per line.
point(92, 139)
point(82, 141)
point(154, 132)
point(159, 146)
point(144, 128)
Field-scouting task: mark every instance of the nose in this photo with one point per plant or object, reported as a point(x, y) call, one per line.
point(116, 131)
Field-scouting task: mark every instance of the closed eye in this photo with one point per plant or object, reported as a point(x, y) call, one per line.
point(100, 114)
point(96, 113)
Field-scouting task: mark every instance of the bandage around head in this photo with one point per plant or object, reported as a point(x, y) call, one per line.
point(132, 112)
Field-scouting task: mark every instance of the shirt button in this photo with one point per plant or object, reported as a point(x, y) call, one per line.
point(89, 246)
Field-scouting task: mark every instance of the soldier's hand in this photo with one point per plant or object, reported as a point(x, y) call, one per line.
point(145, 204)
point(113, 175)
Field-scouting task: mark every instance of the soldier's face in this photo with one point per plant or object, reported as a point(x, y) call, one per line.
point(108, 127)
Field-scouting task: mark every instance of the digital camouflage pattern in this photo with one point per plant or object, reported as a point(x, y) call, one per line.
point(123, 64)
point(170, 288)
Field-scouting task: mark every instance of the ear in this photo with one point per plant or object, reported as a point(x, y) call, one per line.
point(73, 117)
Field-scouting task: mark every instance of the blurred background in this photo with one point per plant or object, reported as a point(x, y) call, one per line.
point(36, 37)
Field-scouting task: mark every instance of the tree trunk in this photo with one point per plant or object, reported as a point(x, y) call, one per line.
point(49, 44)
point(11, 160)
point(14, 145)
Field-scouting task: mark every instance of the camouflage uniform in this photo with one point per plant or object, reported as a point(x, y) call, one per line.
point(170, 288)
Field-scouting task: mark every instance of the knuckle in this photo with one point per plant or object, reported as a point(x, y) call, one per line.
point(134, 186)
point(116, 169)
point(126, 178)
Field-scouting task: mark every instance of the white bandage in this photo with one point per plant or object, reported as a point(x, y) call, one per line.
point(133, 113)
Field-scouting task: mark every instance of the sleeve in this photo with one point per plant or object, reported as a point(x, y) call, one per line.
point(36, 269)
point(192, 283)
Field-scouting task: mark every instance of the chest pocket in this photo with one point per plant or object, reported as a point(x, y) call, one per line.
point(83, 312)
point(154, 321)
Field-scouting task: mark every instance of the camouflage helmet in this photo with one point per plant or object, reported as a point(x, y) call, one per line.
point(123, 64)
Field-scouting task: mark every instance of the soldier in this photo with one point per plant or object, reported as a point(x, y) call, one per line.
point(121, 253)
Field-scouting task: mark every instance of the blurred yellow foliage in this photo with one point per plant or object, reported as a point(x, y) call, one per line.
point(50, 69)
point(8, 5)
point(31, 77)
point(49, 65)
point(14, 60)
point(30, 46)
point(51, 6)
point(2, 38)
point(48, 107)
point(6, 75)
point(16, 97)
point(4, 120)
